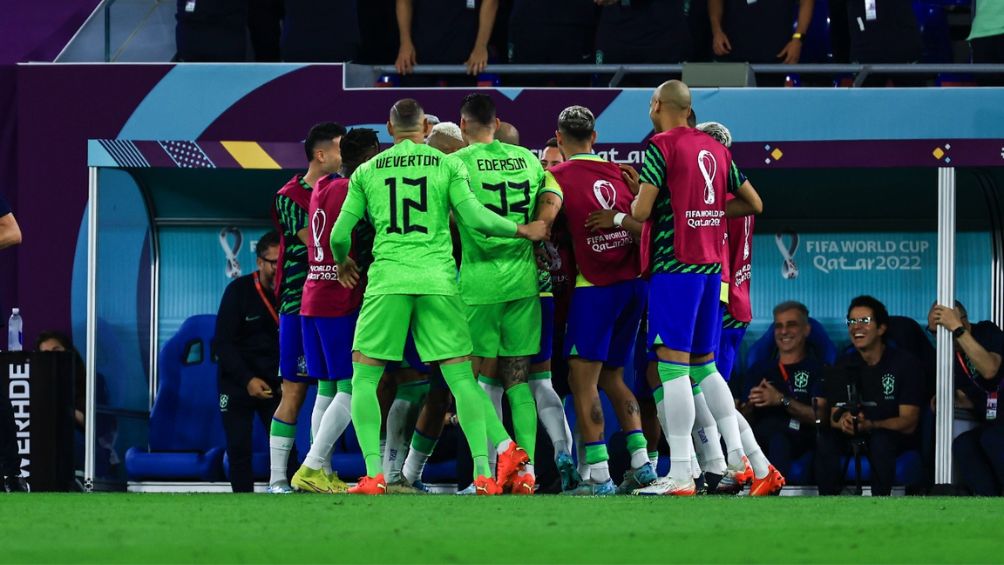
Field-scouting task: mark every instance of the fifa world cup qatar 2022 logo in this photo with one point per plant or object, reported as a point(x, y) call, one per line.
point(230, 251)
point(317, 224)
point(788, 268)
point(605, 193)
point(708, 167)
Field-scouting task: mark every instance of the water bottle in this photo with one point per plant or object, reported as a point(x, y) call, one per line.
point(15, 334)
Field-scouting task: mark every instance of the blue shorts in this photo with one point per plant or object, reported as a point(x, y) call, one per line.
point(292, 365)
point(546, 330)
point(683, 312)
point(327, 346)
point(603, 322)
point(728, 350)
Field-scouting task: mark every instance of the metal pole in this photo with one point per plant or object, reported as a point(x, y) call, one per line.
point(946, 296)
point(92, 323)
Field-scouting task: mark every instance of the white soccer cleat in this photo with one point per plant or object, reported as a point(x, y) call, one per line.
point(667, 486)
point(280, 488)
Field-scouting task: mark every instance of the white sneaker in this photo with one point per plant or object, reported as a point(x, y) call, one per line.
point(668, 486)
point(280, 488)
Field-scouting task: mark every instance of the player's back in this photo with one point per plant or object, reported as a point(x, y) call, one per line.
point(692, 200)
point(407, 193)
point(506, 179)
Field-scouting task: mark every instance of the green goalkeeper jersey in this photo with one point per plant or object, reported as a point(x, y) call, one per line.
point(407, 192)
point(507, 179)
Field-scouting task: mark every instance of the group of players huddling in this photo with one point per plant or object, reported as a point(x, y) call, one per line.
point(370, 289)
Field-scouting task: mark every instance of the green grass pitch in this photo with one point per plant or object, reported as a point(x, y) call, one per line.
point(218, 528)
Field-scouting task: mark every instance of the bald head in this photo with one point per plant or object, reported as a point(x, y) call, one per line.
point(507, 133)
point(670, 106)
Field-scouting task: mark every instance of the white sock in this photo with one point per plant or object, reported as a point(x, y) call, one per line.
point(706, 437)
point(677, 417)
point(321, 404)
point(398, 435)
point(654, 460)
point(495, 394)
point(639, 458)
point(759, 462)
point(333, 423)
point(414, 465)
point(599, 472)
point(695, 468)
point(278, 448)
point(551, 413)
point(526, 470)
point(719, 399)
point(502, 447)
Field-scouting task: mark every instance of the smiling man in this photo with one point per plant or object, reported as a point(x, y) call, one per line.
point(778, 400)
point(887, 428)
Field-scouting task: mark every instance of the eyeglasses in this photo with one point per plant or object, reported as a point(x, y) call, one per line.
point(859, 321)
point(272, 262)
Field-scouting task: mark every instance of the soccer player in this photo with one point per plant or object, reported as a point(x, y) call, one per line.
point(408, 192)
point(292, 222)
point(737, 315)
point(498, 277)
point(607, 302)
point(328, 314)
point(684, 181)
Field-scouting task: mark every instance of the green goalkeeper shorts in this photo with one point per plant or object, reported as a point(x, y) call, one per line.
point(437, 324)
point(506, 329)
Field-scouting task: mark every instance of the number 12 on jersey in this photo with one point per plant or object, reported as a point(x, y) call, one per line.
point(407, 208)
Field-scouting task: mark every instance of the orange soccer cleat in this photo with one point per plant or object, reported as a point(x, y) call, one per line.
point(370, 485)
point(486, 486)
point(769, 485)
point(510, 462)
point(746, 476)
point(524, 484)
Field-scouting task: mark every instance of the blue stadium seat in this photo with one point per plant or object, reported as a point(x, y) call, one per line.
point(186, 440)
point(819, 342)
point(909, 470)
point(933, 22)
point(801, 472)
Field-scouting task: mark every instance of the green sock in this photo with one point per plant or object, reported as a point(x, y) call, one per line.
point(671, 371)
point(596, 453)
point(701, 372)
point(282, 429)
point(697, 389)
point(344, 386)
point(327, 388)
point(658, 394)
point(366, 414)
point(524, 417)
point(423, 443)
point(471, 403)
point(635, 440)
point(493, 425)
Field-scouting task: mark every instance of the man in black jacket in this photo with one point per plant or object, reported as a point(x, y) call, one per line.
point(247, 344)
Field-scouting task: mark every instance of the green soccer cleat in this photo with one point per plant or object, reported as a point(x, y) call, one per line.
point(311, 480)
point(338, 486)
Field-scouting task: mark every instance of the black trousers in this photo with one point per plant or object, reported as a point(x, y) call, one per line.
point(10, 461)
point(881, 447)
point(238, 423)
point(780, 443)
point(980, 457)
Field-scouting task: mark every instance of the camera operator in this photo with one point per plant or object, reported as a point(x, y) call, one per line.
point(886, 424)
point(979, 452)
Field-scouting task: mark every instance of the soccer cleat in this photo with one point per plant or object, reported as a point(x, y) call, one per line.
point(467, 491)
point(486, 486)
point(769, 485)
point(569, 474)
point(743, 476)
point(279, 488)
point(422, 487)
point(667, 486)
point(635, 479)
point(403, 487)
point(337, 484)
point(16, 484)
point(311, 480)
point(524, 484)
point(370, 485)
point(711, 481)
point(701, 484)
point(727, 485)
point(510, 462)
point(589, 488)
